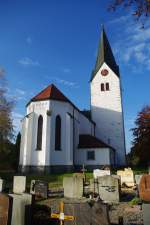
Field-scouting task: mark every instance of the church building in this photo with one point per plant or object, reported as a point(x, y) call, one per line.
point(57, 136)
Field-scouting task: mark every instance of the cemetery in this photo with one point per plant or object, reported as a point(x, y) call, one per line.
point(104, 198)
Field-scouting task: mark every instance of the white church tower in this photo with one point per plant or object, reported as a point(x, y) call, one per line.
point(106, 100)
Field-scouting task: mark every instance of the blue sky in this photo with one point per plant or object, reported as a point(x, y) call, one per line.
point(51, 41)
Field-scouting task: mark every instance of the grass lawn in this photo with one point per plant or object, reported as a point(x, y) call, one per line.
point(54, 180)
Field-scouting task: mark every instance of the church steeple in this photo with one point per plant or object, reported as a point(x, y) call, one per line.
point(105, 54)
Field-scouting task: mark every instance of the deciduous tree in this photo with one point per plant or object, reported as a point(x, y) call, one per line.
point(140, 8)
point(140, 152)
point(6, 126)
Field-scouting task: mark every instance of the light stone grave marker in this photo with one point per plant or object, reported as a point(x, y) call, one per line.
point(19, 184)
point(19, 208)
point(127, 177)
point(108, 188)
point(99, 173)
point(73, 187)
point(2, 185)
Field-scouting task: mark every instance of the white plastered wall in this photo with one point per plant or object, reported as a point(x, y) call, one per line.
point(106, 109)
point(102, 156)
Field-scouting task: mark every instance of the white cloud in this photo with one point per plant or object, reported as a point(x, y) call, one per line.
point(20, 92)
point(28, 62)
point(70, 84)
point(132, 43)
point(29, 40)
point(66, 70)
point(17, 117)
point(67, 83)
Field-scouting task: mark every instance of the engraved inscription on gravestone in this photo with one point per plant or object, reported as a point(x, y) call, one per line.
point(5, 209)
point(41, 189)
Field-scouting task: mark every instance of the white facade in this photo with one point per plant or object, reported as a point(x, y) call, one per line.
point(43, 145)
point(106, 111)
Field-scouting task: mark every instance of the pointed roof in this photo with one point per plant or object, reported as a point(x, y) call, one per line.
point(105, 54)
point(53, 93)
point(50, 92)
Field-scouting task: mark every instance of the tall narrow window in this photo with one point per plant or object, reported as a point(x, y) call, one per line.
point(39, 133)
point(102, 87)
point(107, 86)
point(58, 133)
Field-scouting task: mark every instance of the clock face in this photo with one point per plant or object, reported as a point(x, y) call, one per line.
point(104, 72)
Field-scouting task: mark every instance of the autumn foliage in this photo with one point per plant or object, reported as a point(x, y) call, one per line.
point(140, 152)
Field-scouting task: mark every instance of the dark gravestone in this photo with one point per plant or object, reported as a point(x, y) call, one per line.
point(87, 213)
point(5, 209)
point(41, 189)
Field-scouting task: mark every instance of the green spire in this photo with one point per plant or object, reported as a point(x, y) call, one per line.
point(105, 54)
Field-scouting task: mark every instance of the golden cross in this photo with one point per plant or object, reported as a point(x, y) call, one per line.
point(61, 216)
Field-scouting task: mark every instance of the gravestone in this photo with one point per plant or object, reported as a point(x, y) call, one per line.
point(5, 209)
point(20, 201)
point(108, 188)
point(32, 187)
point(138, 179)
point(19, 184)
point(99, 173)
point(1, 185)
point(87, 213)
point(146, 213)
point(73, 187)
point(41, 189)
point(144, 188)
point(127, 177)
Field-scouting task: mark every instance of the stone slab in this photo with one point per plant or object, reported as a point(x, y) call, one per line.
point(99, 173)
point(19, 208)
point(2, 185)
point(146, 213)
point(19, 184)
point(108, 188)
point(138, 179)
point(73, 187)
point(85, 212)
point(144, 188)
point(5, 209)
point(127, 177)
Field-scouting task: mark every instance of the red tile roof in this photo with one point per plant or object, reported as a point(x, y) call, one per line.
point(51, 92)
point(89, 141)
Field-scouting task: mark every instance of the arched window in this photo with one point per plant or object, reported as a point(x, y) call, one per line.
point(39, 133)
point(102, 87)
point(58, 133)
